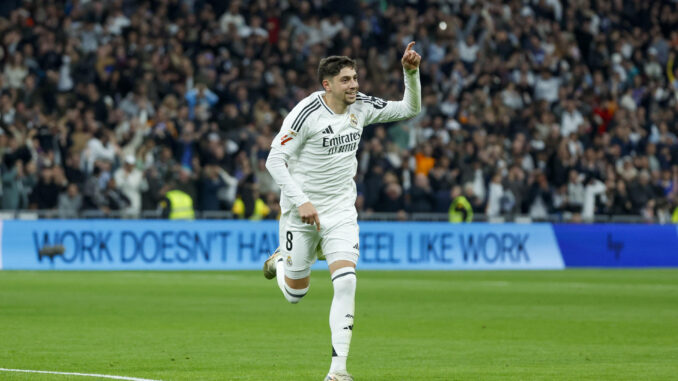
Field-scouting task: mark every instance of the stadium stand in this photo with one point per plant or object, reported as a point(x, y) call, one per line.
point(557, 110)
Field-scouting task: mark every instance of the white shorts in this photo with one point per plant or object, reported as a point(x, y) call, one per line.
point(301, 245)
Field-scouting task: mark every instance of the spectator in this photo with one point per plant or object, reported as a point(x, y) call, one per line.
point(7, 109)
point(540, 196)
point(621, 203)
point(593, 188)
point(45, 194)
point(546, 87)
point(101, 146)
point(186, 148)
point(392, 199)
point(200, 97)
point(440, 176)
point(93, 193)
point(131, 183)
point(186, 182)
point(515, 184)
point(17, 184)
point(15, 71)
point(460, 208)
point(249, 204)
point(70, 202)
point(496, 192)
point(116, 200)
point(641, 191)
point(571, 119)
point(405, 173)
point(477, 203)
point(373, 185)
point(424, 159)
point(421, 197)
point(137, 105)
point(575, 192)
point(211, 185)
point(151, 197)
point(175, 203)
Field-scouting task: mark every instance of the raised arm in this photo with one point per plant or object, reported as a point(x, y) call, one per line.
point(381, 111)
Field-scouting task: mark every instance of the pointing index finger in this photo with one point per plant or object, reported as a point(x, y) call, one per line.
point(409, 46)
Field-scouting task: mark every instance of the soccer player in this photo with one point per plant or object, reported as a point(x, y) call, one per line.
point(313, 159)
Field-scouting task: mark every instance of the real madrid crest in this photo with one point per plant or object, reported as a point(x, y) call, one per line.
point(289, 260)
point(354, 121)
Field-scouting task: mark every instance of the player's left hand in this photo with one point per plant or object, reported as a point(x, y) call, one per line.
point(411, 59)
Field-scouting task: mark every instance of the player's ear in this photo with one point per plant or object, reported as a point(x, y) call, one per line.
point(326, 84)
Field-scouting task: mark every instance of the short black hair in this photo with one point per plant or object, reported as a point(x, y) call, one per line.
point(332, 65)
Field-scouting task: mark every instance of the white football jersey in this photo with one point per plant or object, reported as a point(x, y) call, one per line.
point(319, 147)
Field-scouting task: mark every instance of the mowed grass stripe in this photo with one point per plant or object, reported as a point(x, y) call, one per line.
point(506, 325)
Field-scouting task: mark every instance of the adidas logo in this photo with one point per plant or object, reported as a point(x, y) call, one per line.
point(328, 130)
point(357, 246)
point(350, 327)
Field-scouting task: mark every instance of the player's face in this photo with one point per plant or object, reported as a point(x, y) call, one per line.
point(344, 86)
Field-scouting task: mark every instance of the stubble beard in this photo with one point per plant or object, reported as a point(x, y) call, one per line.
point(349, 101)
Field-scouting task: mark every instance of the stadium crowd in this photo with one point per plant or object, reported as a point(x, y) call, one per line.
point(530, 107)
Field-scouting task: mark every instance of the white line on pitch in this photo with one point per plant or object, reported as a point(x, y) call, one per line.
point(77, 374)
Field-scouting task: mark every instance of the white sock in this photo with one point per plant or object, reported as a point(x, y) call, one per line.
point(338, 364)
point(341, 316)
point(280, 273)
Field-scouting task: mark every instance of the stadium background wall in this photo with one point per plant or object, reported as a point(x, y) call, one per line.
point(243, 245)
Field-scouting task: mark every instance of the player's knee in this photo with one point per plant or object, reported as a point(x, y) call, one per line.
point(344, 281)
point(296, 284)
point(294, 295)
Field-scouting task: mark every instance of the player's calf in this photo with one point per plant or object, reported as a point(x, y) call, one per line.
point(341, 317)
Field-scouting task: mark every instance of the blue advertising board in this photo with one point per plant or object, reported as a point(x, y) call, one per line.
point(618, 245)
point(234, 245)
point(138, 245)
point(444, 246)
point(244, 245)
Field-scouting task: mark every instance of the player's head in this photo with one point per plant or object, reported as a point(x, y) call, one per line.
point(338, 76)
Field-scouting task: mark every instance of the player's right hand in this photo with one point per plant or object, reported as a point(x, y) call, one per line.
point(411, 59)
point(309, 215)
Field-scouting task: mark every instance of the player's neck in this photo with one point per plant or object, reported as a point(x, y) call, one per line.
point(338, 107)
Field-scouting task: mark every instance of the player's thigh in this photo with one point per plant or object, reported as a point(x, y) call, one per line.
point(298, 251)
point(341, 243)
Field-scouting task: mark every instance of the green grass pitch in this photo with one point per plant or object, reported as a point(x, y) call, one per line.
point(505, 325)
